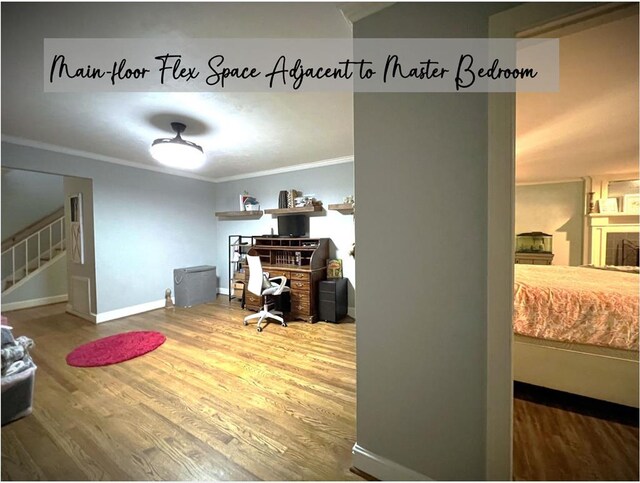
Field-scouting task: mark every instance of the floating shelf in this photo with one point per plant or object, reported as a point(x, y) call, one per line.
point(344, 208)
point(293, 211)
point(240, 214)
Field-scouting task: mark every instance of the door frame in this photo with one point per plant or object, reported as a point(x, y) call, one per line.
point(524, 20)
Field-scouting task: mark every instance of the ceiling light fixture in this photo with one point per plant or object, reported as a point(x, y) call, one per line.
point(176, 152)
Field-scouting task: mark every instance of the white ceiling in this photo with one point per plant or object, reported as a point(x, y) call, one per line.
point(240, 132)
point(589, 127)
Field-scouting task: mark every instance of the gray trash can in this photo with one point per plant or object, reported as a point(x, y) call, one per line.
point(195, 285)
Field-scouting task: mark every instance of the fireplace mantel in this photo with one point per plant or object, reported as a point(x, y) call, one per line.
point(599, 225)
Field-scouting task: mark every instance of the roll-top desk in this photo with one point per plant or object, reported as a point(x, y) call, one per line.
point(303, 261)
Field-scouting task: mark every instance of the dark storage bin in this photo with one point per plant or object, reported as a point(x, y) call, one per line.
point(333, 300)
point(17, 394)
point(195, 285)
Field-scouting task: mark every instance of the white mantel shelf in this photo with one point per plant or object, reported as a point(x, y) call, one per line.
point(602, 215)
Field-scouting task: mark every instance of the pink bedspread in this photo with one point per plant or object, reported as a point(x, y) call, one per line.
point(577, 304)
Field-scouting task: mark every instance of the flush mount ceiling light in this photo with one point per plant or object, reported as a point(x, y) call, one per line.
point(177, 152)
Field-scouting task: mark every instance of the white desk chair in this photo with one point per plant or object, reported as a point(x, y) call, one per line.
point(259, 284)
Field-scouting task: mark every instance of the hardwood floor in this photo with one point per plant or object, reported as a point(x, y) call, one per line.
point(217, 401)
point(559, 436)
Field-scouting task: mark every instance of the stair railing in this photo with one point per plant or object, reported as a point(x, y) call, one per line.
point(48, 230)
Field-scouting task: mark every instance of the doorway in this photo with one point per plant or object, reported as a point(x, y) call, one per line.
point(527, 20)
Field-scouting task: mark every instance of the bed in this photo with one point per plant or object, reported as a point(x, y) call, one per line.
point(576, 330)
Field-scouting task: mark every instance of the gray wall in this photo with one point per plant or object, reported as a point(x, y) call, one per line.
point(330, 184)
point(145, 223)
point(48, 283)
point(27, 197)
point(421, 188)
point(557, 209)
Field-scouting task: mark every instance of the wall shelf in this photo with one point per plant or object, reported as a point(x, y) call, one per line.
point(293, 211)
point(344, 208)
point(248, 215)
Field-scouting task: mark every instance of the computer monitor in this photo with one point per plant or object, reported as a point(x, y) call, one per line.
point(293, 225)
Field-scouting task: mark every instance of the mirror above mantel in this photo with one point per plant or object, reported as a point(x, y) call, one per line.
point(613, 230)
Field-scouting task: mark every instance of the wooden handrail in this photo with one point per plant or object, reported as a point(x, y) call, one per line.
point(31, 229)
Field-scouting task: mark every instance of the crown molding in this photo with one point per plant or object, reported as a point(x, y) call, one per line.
point(358, 10)
point(555, 181)
point(99, 157)
point(108, 159)
point(288, 169)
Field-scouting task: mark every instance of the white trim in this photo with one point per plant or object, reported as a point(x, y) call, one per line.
point(351, 312)
point(108, 159)
point(288, 169)
point(223, 290)
point(98, 157)
point(357, 11)
point(131, 310)
point(501, 209)
point(559, 181)
point(89, 317)
point(382, 468)
point(74, 299)
point(26, 304)
point(32, 274)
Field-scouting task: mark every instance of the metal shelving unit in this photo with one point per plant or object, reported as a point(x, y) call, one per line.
point(239, 245)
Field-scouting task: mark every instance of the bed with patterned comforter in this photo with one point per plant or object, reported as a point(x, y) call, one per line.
point(582, 305)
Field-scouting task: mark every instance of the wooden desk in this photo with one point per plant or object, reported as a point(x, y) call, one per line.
point(308, 268)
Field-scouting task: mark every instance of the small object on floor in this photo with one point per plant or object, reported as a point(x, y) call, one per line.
point(168, 303)
point(115, 348)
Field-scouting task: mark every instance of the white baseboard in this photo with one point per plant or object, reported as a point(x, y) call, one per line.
point(72, 311)
point(223, 291)
point(351, 312)
point(25, 304)
point(382, 468)
point(127, 311)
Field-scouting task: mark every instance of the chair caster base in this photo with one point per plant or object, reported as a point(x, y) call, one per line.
point(259, 329)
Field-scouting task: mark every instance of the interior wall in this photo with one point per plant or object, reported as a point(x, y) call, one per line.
point(421, 187)
point(86, 271)
point(28, 197)
point(145, 223)
point(556, 209)
point(329, 184)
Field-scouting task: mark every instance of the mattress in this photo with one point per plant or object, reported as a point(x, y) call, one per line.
point(577, 305)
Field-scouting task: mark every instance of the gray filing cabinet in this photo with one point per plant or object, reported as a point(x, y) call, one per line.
point(333, 299)
point(195, 285)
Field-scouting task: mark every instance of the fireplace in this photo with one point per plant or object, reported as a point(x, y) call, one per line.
point(622, 249)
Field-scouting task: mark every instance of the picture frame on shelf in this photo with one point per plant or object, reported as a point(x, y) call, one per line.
point(608, 205)
point(631, 203)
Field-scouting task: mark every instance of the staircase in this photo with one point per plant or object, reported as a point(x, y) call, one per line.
point(32, 250)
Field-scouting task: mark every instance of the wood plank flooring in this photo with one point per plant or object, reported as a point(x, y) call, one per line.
point(559, 436)
point(219, 401)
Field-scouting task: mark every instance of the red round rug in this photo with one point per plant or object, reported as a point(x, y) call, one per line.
point(115, 348)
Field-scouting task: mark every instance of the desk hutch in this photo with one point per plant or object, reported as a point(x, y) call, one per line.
point(303, 261)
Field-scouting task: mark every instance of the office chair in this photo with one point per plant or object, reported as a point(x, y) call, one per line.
point(259, 284)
